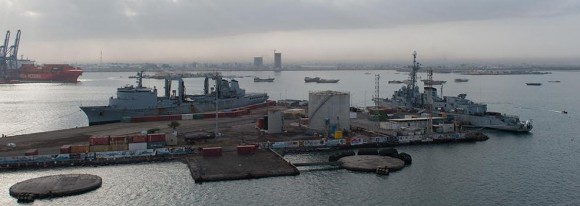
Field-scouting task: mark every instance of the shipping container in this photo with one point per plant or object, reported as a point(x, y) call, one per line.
point(198, 116)
point(338, 135)
point(118, 140)
point(211, 151)
point(79, 149)
point(99, 148)
point(187, 116)
point(137, 146)
point(155, 137)
point(65, 149)
point(31, 152)
point(99, 140)
point(137, 139)
point(118, 147)
point(126, 119)
point(246, 149)
point(155, 145)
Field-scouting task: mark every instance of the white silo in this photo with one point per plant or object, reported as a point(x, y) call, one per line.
point(328, 110)
point(274, 122)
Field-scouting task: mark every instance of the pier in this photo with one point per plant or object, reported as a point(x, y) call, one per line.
point(231, 166)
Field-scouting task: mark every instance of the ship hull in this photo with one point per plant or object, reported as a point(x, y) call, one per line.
point(46, 73)
point(491, 122)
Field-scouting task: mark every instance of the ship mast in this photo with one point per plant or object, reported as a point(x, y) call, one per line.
point(411, 91)
point(376, 97)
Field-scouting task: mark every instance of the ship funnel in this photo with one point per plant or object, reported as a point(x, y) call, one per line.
point(167, 87)
point(181, 90)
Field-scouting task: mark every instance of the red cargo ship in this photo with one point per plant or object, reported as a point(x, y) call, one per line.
point(48, 73)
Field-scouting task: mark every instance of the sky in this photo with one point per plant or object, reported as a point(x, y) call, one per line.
point(305, 31)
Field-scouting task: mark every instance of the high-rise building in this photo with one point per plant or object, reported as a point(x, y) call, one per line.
point(277, 60)
point(258, 61)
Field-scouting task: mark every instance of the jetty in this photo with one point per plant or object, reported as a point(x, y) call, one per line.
point(232, 166)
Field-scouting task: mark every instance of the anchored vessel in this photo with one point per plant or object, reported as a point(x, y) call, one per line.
point(257, 79)
point(320, 80)
point(461, 109)
point(138, 101)
point(433, 82)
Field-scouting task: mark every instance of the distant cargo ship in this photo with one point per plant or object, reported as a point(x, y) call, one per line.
point(48, 73)
point(29, 72)
point(320, 80)
point(433, 82)
point(257, 79)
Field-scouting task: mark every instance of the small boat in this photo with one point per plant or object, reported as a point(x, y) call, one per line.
point(433, 82)
point(461, 80)
point(327, 81)
point(395, 82)
point(557, 81)
point(534, 84)
point(256, 79)
point(320, 80)
point(564, 112)
point(311, 79)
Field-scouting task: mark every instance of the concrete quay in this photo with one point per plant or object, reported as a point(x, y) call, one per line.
point(231, 166)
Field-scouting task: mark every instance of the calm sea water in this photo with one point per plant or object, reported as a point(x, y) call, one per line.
point(540, 168)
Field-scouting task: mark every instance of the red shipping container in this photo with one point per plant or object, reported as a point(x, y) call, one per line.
point(246, 149)
point(211, 151)
point(65, 149)
point(31, 152)
point(156, 138)
point(208, 115)
point(118, 140)
point(99, 140)
point(138, 138)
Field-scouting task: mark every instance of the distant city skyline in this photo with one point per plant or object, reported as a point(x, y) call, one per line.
point(304, 31)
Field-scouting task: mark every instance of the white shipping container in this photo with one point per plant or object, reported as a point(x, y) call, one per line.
point(187, 116)
point(137, 146)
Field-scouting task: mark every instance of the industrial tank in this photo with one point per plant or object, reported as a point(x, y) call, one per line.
point(274, 122)
point(329, 110)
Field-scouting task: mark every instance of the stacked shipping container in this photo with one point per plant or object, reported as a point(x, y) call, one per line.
point(137, 142)
point(155, 141)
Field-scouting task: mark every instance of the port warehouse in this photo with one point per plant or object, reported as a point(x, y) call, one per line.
point(171, 151)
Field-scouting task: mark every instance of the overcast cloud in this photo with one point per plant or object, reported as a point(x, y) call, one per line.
point(304, 30)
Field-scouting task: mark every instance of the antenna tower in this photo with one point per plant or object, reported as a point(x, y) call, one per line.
point(376, 97)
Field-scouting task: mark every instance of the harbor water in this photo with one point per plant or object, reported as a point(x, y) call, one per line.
point(539, 168)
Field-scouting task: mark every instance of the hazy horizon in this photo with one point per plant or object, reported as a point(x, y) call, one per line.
point(315, 31)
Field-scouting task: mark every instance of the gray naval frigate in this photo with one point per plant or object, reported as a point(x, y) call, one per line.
point(137, 101)
point(458, 108)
